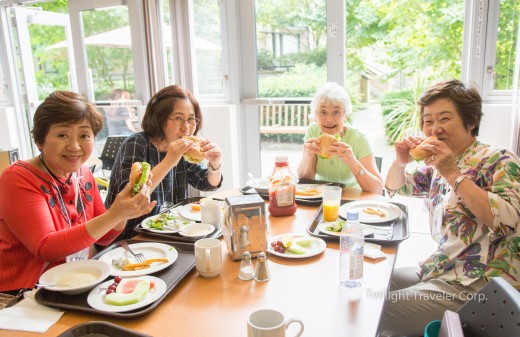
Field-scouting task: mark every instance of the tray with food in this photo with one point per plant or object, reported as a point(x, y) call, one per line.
point(132, 288)
point(180, 223)
point(382, 222)
point(308, 191)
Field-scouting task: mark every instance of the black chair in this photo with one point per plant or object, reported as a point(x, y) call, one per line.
point(493, 311)
point(109, 153)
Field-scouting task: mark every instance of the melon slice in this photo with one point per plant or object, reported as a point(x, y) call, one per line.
point(137, 295)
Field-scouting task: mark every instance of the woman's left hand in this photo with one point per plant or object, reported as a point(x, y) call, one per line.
point(343, 151)
point(211, 152)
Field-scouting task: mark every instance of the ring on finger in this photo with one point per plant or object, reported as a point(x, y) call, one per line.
point(433, 158)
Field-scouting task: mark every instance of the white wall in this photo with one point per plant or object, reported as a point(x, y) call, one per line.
point(220, 126)
point(496, 125)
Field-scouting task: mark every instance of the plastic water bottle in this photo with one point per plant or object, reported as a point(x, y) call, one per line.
point(351, 248)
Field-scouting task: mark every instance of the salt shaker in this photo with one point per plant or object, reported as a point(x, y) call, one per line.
point(246, 267)
point(262, 270)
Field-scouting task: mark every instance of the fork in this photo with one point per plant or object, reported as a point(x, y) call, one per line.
point(139, 257)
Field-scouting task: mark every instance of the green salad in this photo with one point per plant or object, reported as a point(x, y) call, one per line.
point(336, 226)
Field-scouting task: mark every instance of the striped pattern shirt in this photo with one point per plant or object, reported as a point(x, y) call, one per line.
point(173, 188)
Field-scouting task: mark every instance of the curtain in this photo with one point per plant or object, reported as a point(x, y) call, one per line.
point(515, 132)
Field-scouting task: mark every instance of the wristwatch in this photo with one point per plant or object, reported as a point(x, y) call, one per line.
point(360, 173)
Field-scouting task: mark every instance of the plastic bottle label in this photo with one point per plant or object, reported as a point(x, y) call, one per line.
point(284, 195)
point(356, 264)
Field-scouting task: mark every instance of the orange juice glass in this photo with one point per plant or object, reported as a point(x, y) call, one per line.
point(330, 211)
point(331, 202)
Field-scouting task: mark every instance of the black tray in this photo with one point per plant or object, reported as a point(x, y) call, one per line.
point(400, 227)
point(172, 276)
point(175, 237)
point(308, 202)
point(101, 329)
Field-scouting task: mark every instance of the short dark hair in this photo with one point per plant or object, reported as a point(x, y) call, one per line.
point(64, 107)
point(466, 99)
point(160, 107)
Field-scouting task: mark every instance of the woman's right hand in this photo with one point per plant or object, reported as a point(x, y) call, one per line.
point(311, 147)
point(402, 149)
point(127, 207)
point(176, 150)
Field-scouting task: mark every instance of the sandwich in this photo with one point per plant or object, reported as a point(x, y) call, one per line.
point(194, 155)
point(419, 153)
point(139, 175)
point(326, 141)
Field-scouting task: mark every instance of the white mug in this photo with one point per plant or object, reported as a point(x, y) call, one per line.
point(210, 212)
point(208, 257)
point(270, 323)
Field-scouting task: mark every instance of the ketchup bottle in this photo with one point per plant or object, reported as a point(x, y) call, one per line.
point(282, 189)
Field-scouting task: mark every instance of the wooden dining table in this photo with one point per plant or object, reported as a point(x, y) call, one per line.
point(307, 288)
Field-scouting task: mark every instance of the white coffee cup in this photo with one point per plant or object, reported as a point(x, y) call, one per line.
point(208, 257)
point(270, 323)
point(210, 212)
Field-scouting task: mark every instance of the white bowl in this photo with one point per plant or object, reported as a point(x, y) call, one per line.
point(261, 185)
point(75, 277)
point(197, 229)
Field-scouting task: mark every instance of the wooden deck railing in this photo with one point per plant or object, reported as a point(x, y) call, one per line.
point(284, 118)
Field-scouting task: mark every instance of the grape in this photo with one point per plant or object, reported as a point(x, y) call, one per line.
point(117, 279)
point(281, 250)
point(279, 243)
point(276, 248)
point(113, 286)
point(273, 244)
point(110, 291)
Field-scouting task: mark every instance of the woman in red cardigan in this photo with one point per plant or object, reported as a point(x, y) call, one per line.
point(50, 208)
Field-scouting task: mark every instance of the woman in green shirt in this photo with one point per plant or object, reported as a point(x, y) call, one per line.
point(351, 160)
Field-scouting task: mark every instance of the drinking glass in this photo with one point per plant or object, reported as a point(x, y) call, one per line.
point(331, 202)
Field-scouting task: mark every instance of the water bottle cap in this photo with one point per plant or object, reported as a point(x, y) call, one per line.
point(281, 159)
point(352, 215)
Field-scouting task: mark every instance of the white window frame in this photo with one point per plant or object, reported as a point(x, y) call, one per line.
point(479, 49)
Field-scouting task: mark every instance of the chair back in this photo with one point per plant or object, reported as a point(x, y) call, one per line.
point(108, 155)
point(493, 311)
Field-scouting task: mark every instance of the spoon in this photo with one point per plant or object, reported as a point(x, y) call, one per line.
point(52, 285)
point(255, 183)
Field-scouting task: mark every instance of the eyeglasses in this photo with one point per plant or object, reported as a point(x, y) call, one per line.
point(325, 115)
point(179, 121)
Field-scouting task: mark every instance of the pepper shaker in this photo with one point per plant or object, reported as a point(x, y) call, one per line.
point(246, 267)
point(262, 270)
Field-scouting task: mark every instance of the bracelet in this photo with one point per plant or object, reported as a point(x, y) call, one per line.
point(458, 181)
point(211, 169)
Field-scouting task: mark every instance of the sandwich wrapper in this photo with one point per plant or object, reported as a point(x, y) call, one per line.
point(373, 251)
point(27, 315)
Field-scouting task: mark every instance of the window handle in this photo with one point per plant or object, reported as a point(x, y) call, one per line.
point(491, 70)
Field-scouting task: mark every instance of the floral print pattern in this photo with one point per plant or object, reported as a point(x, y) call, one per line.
point(467, 249)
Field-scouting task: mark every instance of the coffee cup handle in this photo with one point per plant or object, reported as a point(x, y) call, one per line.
point(295, 320)
point(207, 258)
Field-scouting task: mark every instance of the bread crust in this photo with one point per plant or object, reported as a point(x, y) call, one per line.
point(326, 141)
point(194, 154)
point(419, 153)
point(135, 173)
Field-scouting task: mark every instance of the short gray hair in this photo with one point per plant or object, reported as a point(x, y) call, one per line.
point(331, 92)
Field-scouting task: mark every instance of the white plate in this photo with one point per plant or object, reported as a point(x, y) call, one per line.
point(150, 250)
point(196, 230)
point(322, 228)
point(391, 210)
point(261, 185)
point(76, 277)
point(309, 187)
point(180, 221)
point(188, 213)
point(316, 248)
point(96, 298)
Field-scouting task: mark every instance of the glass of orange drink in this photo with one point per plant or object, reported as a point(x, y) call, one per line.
point(331, 201)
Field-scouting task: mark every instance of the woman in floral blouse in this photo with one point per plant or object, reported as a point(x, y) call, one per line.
point(473, 192)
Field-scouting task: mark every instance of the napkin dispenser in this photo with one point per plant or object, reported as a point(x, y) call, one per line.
point(244, 225)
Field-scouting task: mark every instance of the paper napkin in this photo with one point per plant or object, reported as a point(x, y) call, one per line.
point(373, 251)
point(28, 315)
